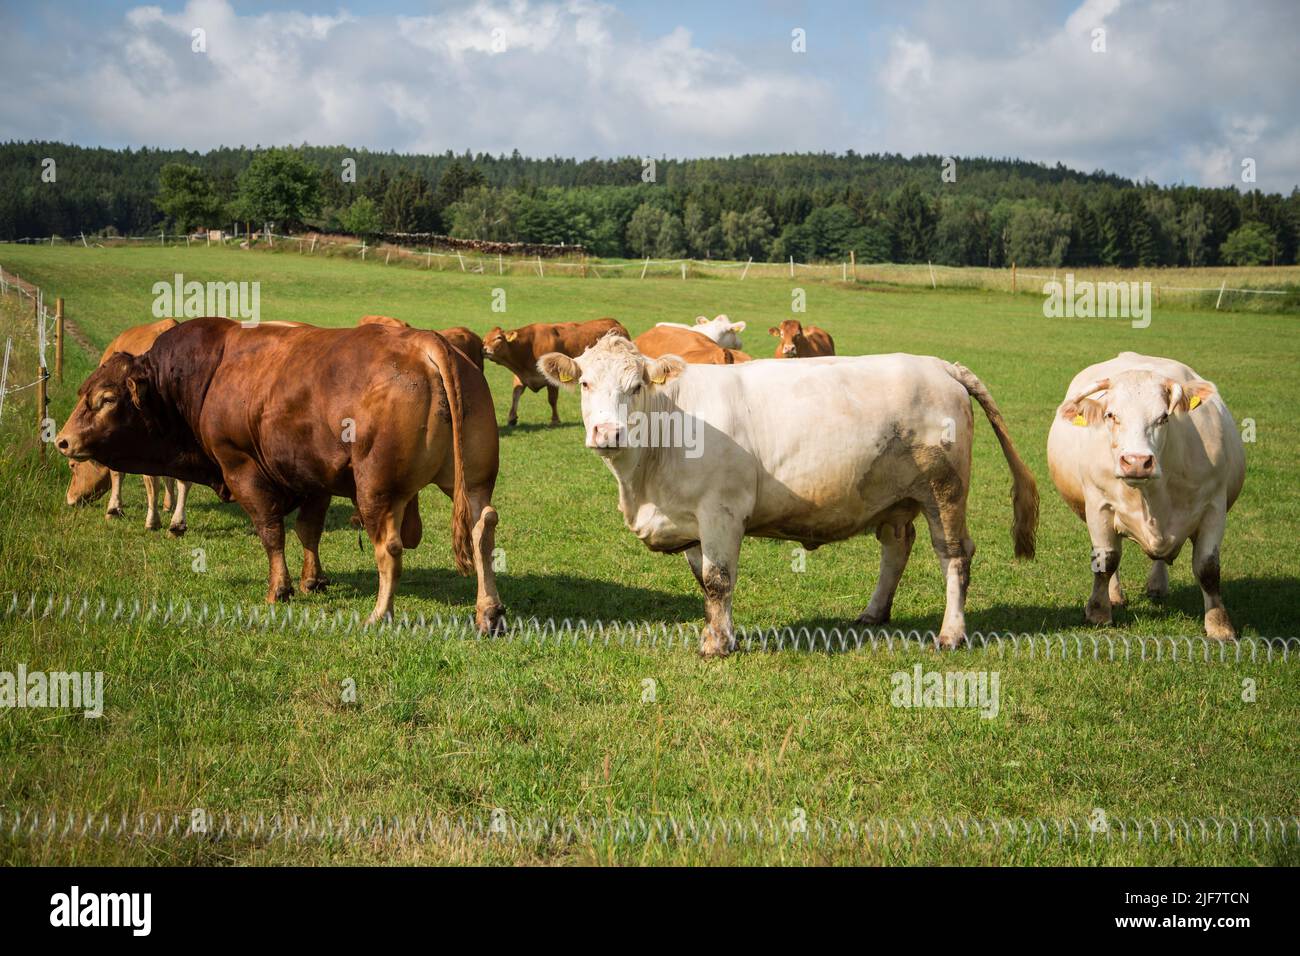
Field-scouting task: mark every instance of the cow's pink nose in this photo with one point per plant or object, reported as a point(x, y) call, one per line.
point(606, 435)
point(1137, 466)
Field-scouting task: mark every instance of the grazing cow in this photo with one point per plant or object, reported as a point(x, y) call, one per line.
point(720, 328)
point(798, 342)
point(90, 479)
point(462, 338)
point(690, 346)
point(284, 418)
point(1144, 448)
point(734, 452)
point(519, 349)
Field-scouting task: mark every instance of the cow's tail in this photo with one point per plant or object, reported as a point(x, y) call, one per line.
point(462, 525)
point(1024, 490)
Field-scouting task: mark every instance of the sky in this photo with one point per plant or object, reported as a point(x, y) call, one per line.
point(1177, 92)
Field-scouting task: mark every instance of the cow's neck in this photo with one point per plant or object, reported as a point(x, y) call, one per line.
point(180, 376)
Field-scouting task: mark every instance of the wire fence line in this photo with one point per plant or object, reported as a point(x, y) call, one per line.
point(84, 610)
point(501, 264)
point(201, 826)
point(45, 325)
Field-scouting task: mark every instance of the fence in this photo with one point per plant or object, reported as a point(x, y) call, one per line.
point(44, 322)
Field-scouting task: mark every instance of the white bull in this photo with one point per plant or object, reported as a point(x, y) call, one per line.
point(811, 451)
point(1144, 448)
point(719, 328)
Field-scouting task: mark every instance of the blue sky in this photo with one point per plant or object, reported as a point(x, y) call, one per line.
point(1183, 91)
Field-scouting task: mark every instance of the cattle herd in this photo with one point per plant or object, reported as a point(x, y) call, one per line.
point(283, 416)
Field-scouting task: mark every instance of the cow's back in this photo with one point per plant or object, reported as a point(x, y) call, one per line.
point(138, 339)
point(690, 346)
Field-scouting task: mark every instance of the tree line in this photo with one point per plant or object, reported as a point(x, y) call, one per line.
point(820, 206)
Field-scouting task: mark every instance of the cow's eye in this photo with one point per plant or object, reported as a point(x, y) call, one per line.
point(1162, 419)
point(585, 386)
point(1110, 417)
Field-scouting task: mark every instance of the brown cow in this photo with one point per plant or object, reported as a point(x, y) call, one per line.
point(281, 419)
point(519, 349)
point(462, 338)
point(690, 346)
point(90, 479)
point(798, 342)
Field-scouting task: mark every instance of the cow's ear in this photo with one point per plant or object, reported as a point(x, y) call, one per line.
point(559, 369)
point(774, 331)
point(138, 387)
point(511, 336)
point(737, 326)
point(701, 320)
point(1185, 396)
point(663, 369)
point(1082, 412)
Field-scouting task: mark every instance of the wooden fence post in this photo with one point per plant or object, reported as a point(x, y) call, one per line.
point(58, 339)
point(744, 272)
point(853, 264)
point(1220, 298)
point(1013, 278)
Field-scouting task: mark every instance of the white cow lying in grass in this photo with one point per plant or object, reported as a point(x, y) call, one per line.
point(719, 328)
point(812, 451)
point(1143, 448)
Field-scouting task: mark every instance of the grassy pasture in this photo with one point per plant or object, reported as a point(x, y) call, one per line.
point(250, 721)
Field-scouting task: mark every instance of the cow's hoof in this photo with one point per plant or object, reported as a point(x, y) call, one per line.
point(554, 422)
point(1096, 614)
point(713, 644)
point(491, 621)
point(178, 530)
point(311, 585)
point(1158, 596)
point(152, 524)
point(379, 617)
point(868, 619)
point(949, 642)
point(512, 423)
point(1217, 625)
point(112, 513)
point(279, 595)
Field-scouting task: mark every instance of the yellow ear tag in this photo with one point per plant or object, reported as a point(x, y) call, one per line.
point(511, 336)
point(1196, 400)
point(565, 378)
point(1080, 420)
point(657, 381)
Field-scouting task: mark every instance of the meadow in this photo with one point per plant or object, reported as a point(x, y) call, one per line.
point(253, 720)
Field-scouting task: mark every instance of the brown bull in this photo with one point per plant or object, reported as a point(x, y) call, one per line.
point(283, 418)
point(693, 348)
point(462, 338)
point(519, 349)
point(90, 479)
point(799, 342)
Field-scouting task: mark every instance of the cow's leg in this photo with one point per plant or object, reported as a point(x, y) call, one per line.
point(151, 520)
point(715, 562)
point(178, 527)
point(955, 549)
point(266, 511)
point(1115, 590)
point(552, 395)
point(383, 523)
point(169, 493)
point(1205, 565)
point(895, 548)
point(1158, 581)
point(513, 418)
point(308, 527)
point(1104, 561)
point(114, 508)
point(489, 613)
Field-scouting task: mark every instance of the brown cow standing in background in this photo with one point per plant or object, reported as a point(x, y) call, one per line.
point(283, 418)
point(519, 349)
point(459, 336)
point(90, 479)
point(798, 342)
point(693, 348)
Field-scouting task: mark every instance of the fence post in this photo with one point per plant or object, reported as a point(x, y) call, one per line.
point(683, 270)
point(4, 372)
point(1013, 278)
point(460, 259)
point(40, 409)
point(932, 285)
point(539, 268)
point(745, 271)
point(1220, 299)
point(58, 339)
point(853, 264)
point(501, 269)
point(83, 241)
point(792, 267)
point(313, 245)
point(645, 267)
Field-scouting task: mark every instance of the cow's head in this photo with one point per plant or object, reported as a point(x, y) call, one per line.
point(790, 332)
point(115, 415)
point(1135, 408)
point(496, 344)
point(615, 380)
point(90, 480)
point(721, 329)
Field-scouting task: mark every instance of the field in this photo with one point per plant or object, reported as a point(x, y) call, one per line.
point(251, 720)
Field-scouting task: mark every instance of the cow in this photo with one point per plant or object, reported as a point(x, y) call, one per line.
point(690, 346)
point(462, 338)
point(281, 419)
point(719, 328)
point(519, 349)
point(799, 342)
point(814, 452)
point(90, 479)
point(1144, 448)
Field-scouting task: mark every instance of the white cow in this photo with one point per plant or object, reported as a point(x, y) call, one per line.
point(812, 451)
point(719, 328)
point(1144, 448)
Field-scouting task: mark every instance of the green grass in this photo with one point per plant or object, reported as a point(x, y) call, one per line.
point(250, 720)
